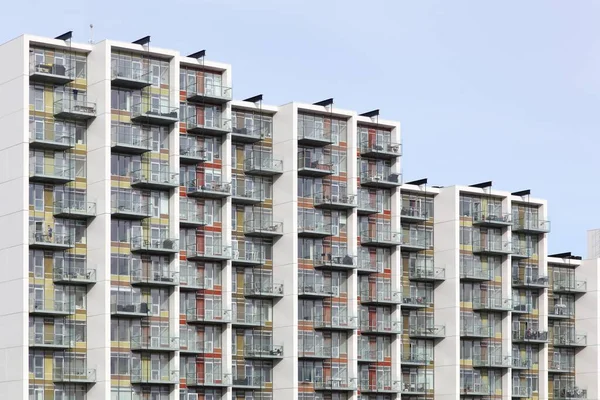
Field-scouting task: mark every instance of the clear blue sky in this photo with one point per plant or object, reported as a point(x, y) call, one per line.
point(474, 83)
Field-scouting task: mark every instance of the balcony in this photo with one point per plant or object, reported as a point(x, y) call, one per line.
point(414, 243)
point(208, 316)
point(155, 276)
point(192, 282)
point(154, 343)
point(74, 275)
point(380, 180)
point(492, 361)
point(208, 93)
point(49, 240)
point(569, 286)
point(74, 109)
point(475, 273)
point(248, 382)
point(51, 307)
point(337, 323)
point(570, 393)
point(367, 205)
point(148, 114)
point(559, 310)
point(521, 391)
point(209, 253)
point(475, 331)
point(74, 209)
point(416, 302)
point(50, 341)
point(411, 388)
point(162, 376)
point(241, 193)
point(336, 384)
point(530, 336)
point(263, 227)
point(129, 76)
point(218, 126)
point(380, 238)
point(492, 304)
point(264, 290)
point(386, 327)
point(415, 360)
point(263, 165)
point(380, 149)
point(334, 202)
point(209, 190)
point(193, 347)
point(54, 172)
point(569, 339)
point(49, 139)
point(313, 229)
point(131, 143)
point(492, 219)
point(531, 225)
point(521, 363)
point(366, 266)
point(246, 135)
point(380, 296)
point(73, 374)
point(314, 137)
point(530, 282)
point(130, 210)
point(521, 307)
point(369, 356)
point(380, 386)
point(476, 389)
point(55, 74)
point(129, 310)
point(192, 155)
point(243, 258)
point(147, 245)
point(191, 217)
point(426, 272)
point(154, 180)
point(315, 290)
point(263, 352)
point(335, 262)
point(317, 168)
point(521, 250)
point(413, 214)
point(319, 352)
point(492, 247)
point(561, 367)
point(194, 379)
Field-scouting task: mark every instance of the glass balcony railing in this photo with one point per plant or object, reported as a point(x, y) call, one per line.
point(530, 281)
point(380, 238)
point(522, 306)
point(421, 300)
point(50, 239)
point(192, 154)
point(492, 247)
point(569, 339)
point(386, 326)
point(410, 387)
point(263, 165)
point(263, 351)
point(74, 209)
point(570, 393)
point(492, 304)
point(213, 315)
point(378, 385)
point(129, 75)
point(343, 322)
point(264, 290)
point(244, 193)
point(159, 275)
point(414, 243)
point(189, 214)
point(475, 330)
point(413, 214)
point(380, 179)
point(217, 126)
point(415, 358)
point(193, 379)
point(475, 272)
point(336, 384)
point(492, 361)
point(195, 347)
point(247, 135)
point(367, 205)
point(255, 381)
point(263, 227)
point(426, 271)
point(366, 265)
point(313, 229)
point(314, 136)
point(521, 391)
point(147, 113)
point(50, 340)
point(380, 295)
point(521, 363)
point(530, 335)
point(241, 256)
point(73, 374)
point(315, 290)
point(522, 250)
point(476, 389)
point(52, 139)
point(328, 260)
point(209, 252)
point(314, 351)
point(51, 171)
point(334, 202)
point(192, 281)
point(556, 366)
point(130, 209)
point(58, 74)
point(74, 274)
point(129, 309)
point(135, 143)
point(308, 165)
point(531, 225)
point(569, 286)
point(210, 190)
point(74, 109)
point(158, 179)
point(492, 218)
point(148, 244)
point(160, 376)
point(559, 309)
point(380, 149)
point(208, 92)
point(366, 355)
point(154, 343)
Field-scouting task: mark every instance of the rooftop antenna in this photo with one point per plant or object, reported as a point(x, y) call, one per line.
point(91, 34)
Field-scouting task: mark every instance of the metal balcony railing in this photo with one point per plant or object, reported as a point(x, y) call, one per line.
point(260, 226)
point(492, 304)
point(496, 218)
point(153, 114)
point(570, 393)
point(162, 276)
point(492, 247)
point(208, 252)
point(52, 139)
point(530, 336)
point(328, 260)
point(263, 165)
point(314, 351)
point(380, 237)
point(380, 149)
point(337, 322)
point(387, 326)
point(151, 179)
point(209, 92)
point(263, 351)
point(154, 343)
point(264, 290)
point(209, 315)
point(569, 286)
point(492, 361)
point(73, 374)
point(427, 331)
point(379, 295)
point(129, 75)
point(161, 376)
point(51, 73)
point(537, 281)
point(74, 274)
point(426, 271)
point(75, 109)
point(532, 225)
point(380, 179)
point(215, 127)
point(475, 272)
point(571, 339)
point(327, 200)
point(159, 245)
point(336, 384)
point(134, 142)
point(74, 208)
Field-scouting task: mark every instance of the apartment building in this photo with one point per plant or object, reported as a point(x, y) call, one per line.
point(184, 245)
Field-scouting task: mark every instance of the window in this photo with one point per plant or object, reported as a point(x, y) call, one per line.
point(36, 197)
point(36, 365)
point(36, 98)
